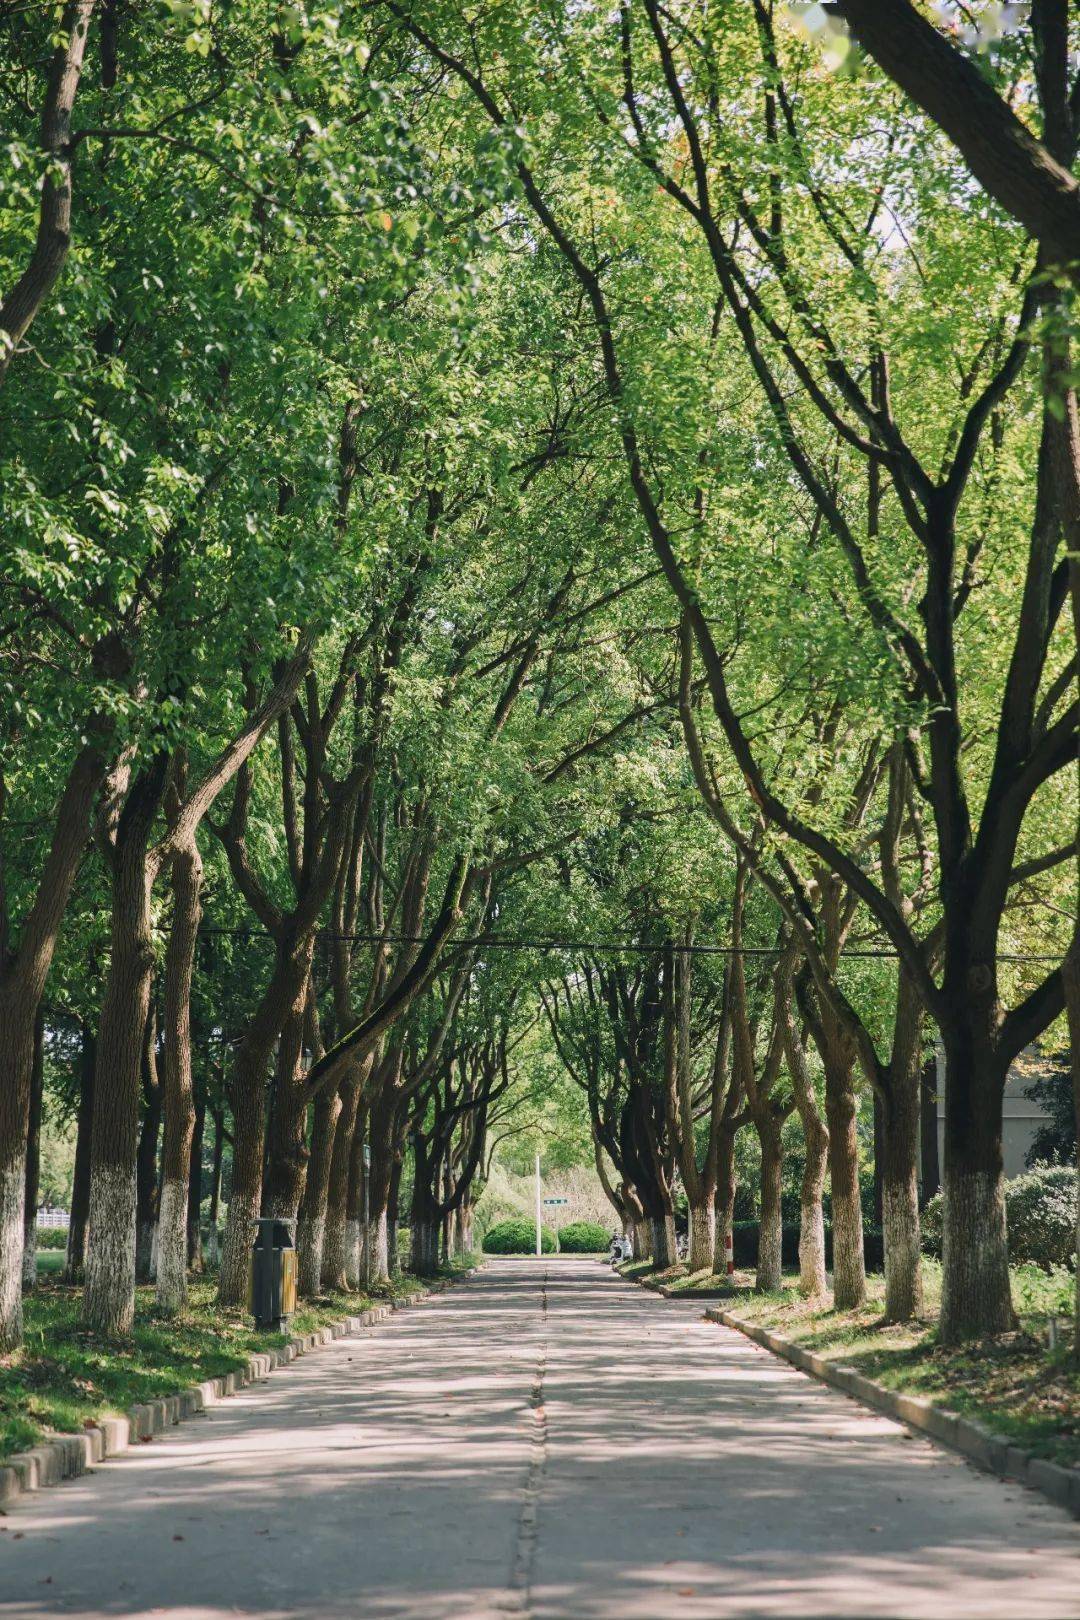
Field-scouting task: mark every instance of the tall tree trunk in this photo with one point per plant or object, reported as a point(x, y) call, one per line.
point(179, 1097)
point(75, 1258)
point(900, 1202)
point(976, 1298)
point(33, 1155)
point(23, 974)
point(393, 1259)
point(335, 1273)
point(109, 1292)
point(813, 1281)
point(424, 1215)
point(355, 1236)
point(928, 1132)
point(849, 1263)
point(381, 1128)
point(247, 1098)
point(725, 1196)
point(770, 1259)
point(195, 1186)
point(424, 1225)
point(311, 1227)
point(702, 1234)
point(287, 1158)
point(463, 1229)
point(1070, 974)
point(146, 1159)
point(247, 1095)
point(664, 1249)
point(213, 1256)
point(812, 1277)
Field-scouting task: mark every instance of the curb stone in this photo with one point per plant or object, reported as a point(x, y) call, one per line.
point(973, 1440)
point(67, 1456)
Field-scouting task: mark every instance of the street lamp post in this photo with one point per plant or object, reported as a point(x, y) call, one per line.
point(538, 1248)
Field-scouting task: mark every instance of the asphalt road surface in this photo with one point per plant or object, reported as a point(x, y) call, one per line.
point(545, 1441)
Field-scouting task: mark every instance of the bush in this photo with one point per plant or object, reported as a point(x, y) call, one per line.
point(517, 1237)
point(582, 1237)
point(51, 1237)
point(930, 1225)
point(1040, 1209)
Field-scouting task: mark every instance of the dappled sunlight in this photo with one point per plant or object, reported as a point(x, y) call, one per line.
point(686, 1471)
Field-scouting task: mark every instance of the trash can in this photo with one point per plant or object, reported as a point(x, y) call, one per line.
point(272, 1294)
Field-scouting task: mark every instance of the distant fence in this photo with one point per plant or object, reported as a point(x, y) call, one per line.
point(54, 1217)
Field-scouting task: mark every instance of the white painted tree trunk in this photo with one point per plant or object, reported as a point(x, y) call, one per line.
point(903, 1257)
point(29, 1258)
point(310, 1236)
point(702, 1235)
point(424, 1258)
point(354, 1253)
point(334, 1251)
point(664, 1251)
point(12, 1237)
point(109, 1306)
point(172, 1248)
point(236, 1250)
point(380, 1257)
point(975, 1259)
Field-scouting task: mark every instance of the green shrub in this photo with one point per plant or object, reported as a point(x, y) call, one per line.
point(1041, 1211)
point(51, 1237)
point(518, 1237)
point(930, 1225)
point(583, 1237)
point(1040, 1208)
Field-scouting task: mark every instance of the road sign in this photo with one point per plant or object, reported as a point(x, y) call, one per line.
point(556, 1200)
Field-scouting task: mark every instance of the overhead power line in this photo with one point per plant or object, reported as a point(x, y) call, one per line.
point(615, 947)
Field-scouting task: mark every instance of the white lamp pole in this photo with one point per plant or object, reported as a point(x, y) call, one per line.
point(538, 1250)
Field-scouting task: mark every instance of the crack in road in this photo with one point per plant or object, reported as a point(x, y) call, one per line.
point(525, 1551)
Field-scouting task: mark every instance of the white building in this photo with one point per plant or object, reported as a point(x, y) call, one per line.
point(1020, 1117)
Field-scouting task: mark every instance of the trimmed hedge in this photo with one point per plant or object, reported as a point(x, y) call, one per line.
point(583, 1237)
point(51, 1237)
point(745, 1245)
point(518, 1237)
point(1040, 1212)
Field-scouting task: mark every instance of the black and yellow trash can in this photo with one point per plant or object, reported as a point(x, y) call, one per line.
point(272, 1290)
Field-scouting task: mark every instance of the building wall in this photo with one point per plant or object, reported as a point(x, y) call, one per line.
point(1020, 1117)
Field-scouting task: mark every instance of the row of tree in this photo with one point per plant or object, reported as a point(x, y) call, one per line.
point(451, 458)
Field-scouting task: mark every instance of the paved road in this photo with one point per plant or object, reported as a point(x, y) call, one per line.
point(545, 1442)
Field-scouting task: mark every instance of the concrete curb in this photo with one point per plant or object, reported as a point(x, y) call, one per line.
point(66, 1456)
point(974, 1441)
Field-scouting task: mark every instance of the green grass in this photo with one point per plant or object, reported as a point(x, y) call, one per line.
point(681, 1283)
point(64, 1377)
point(1012, 1384)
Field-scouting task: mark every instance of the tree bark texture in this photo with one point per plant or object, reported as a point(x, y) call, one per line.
point(109, 1291)
point(178, 1089)
point(33, 1156)
point(75, 1257)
